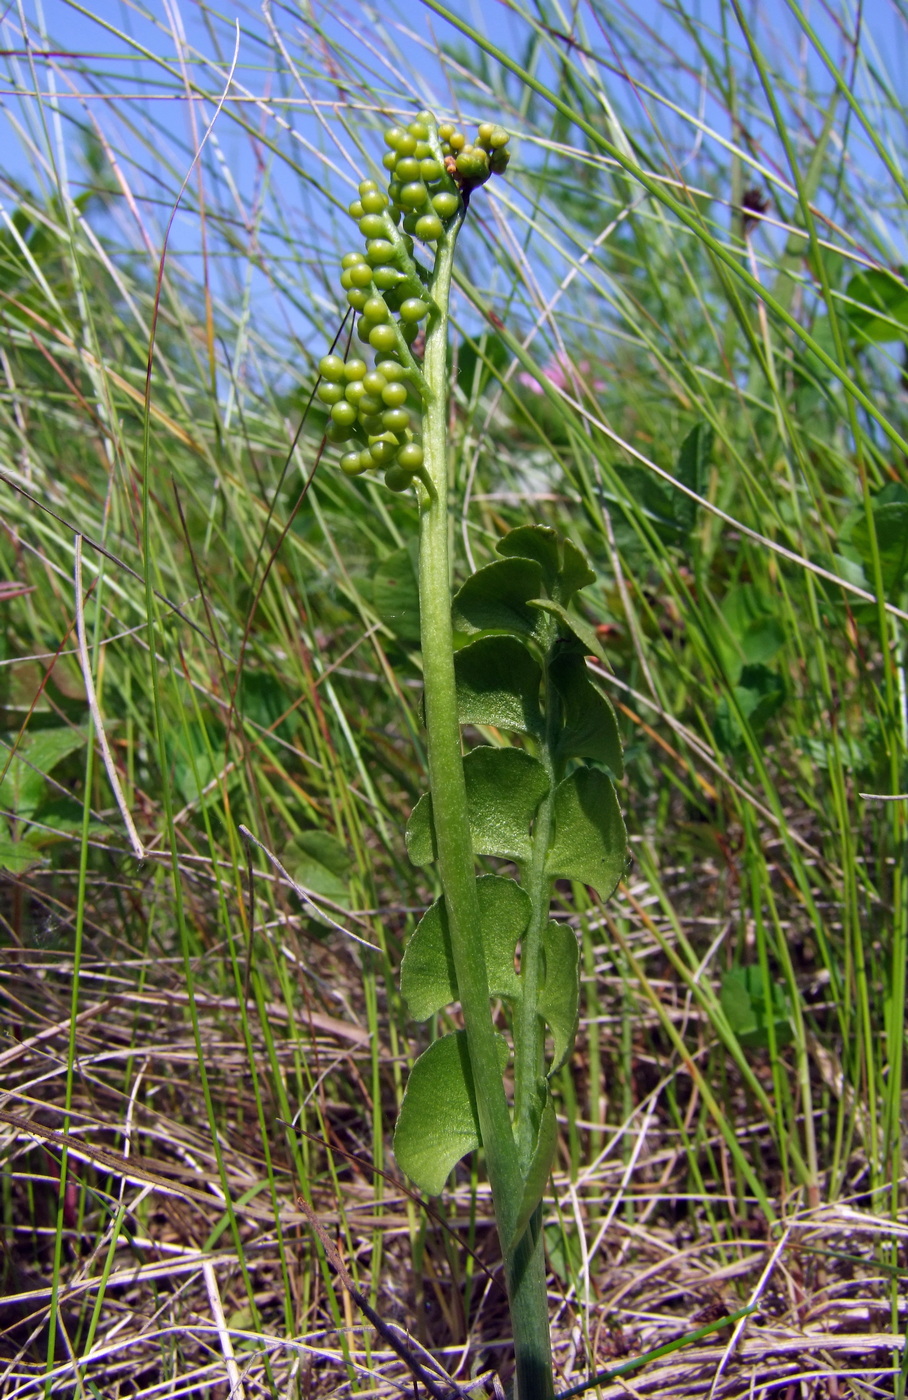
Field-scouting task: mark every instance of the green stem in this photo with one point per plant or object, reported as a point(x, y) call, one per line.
point(526, 1267)
point(445, 763)
point(528, 1033)
point(528, 1298)
point(524, 1264)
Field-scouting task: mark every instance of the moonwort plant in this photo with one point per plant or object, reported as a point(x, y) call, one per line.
point(545, 803)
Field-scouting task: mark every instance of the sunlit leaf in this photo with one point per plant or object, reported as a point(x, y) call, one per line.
point(559, 1000)
point(17, 856)
point(539, 542)
point(495, 599)
point(498, 684)
point(438, 1123)
point(504, 788)
point(420, 833)
point(565, 569)
point(590, 840)
point(882, 312)
point(319, 862)
point(754, 633)
point(427, 977)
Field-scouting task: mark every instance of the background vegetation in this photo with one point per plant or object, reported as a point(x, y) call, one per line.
point(681, 338)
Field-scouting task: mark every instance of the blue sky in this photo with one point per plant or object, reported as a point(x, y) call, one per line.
point(131, 92)
point(136, 81)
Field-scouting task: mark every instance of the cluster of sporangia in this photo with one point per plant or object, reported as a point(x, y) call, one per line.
point(432, 170)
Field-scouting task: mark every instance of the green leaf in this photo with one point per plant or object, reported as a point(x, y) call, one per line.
point(559, 1000)
point(563, 1252)
point(504, 788)
point(428, 980)
point(572, 626)
point(565, 569)
point(756, 634)
point(319, 862)
point(59, 819)
point(438, 1123)
point(650, 496)
point(692, 470)
point(883, 311)
point(760, 693)
point(538, 542)
point(540, 1165)
point(890, 520)
point(495, 599)
point(198, 757)
point(498, 683)
point(590, 840)
point(477, 362)
point(18, 856)
point(25, 782)
point(262, 699)
point(395, 594)
point(420, 833)
point(748, 1008)
point(575, 573)
point(590, 728)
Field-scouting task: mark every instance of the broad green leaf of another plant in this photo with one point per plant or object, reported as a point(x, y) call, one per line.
point(590, 840)
point(749, 1009)
point(890, 523)
point(18, 856)
point(427, 978)
point(318, 861)
point(25, 782)
point(197, 758)
point(692, 470)
point(438, 1123)
point(395, 594)
point(504, 788)
point(478, 360)
point(883, 313)
point(563, 1252)
point(754, 633)
point(760, 693)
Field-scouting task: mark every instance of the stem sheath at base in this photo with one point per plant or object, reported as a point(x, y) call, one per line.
point(529, 1303)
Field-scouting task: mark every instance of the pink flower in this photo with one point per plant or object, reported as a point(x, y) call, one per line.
point(562, 373)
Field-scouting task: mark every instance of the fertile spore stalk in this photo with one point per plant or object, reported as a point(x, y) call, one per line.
point(546, 804)
point(432, 171)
